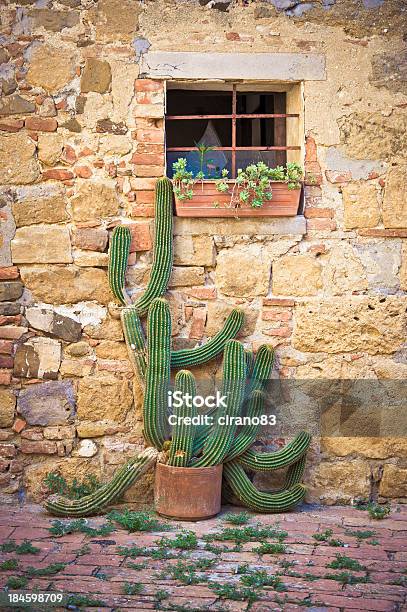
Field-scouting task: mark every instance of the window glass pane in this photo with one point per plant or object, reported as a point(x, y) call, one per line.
point(212, 167)
point(187, 133)
point(271, 158)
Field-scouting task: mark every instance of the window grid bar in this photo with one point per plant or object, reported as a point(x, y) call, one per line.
point(287, 148)
point(237, 116)
point(234, 117)
point(234, 110)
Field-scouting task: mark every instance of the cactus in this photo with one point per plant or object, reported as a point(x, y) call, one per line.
point(295, 472)
point(221, 438)
point(162, 255)
point(254, 499)
point(201, 354)
point(244, 384)
point(247, 435)
point(99, 499)
point(158, 373)
point(118, 255)
point(183, 434)
point(264, 462)
point(135, 341)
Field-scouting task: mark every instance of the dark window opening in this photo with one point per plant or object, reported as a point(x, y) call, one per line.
point(239, 128)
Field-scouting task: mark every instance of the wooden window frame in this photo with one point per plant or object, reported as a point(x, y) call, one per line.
point(234, 116)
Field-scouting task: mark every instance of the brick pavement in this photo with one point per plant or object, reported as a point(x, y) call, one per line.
point(94, 567)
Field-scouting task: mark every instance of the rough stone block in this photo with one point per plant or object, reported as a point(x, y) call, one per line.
point(395, 198)
point(116, 20)
point(40, 205)
point(374, 135)
point(296, 275)
point(88, 259)
point(50, 403)
point(96, 76)
point(66, 284)
point(361, 206)
point(373, 325)
point(51, 68)
point(340, 482)
point(38, 358)
point(104, 397)
point(394, 481)
point(185, 277)
point(10, 290)
point(194, 251)
point(18, 165)
point(50, 148)
point(7, 407)
point(342, 270)
point(16, 105)
point(53, 323)
point(41, 244)
point(253, 66)
point(371, 448)
point(251, 264)
point(94, 200)
point(90, 238)
point(69, 468)
point(53, 20)
point(381, 260)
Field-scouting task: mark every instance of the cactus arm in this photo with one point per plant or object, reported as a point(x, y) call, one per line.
point(163, 250)
point(247, 434)
point(256, 500)
point(264, 462)
point(262, 367)
point(99, 499)
point(295, 472)
point(221, 437)
point(213, 347)
point(157, 373)
point(260, 373)
point(119, 249)
point(250, 359)
point(135, 341)
point(183, 434)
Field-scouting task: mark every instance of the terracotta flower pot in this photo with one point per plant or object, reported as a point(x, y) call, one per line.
point(208, 202)
point(188, 494)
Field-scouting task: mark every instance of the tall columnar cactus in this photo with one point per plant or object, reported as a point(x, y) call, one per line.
point(158, 373)
point(244, 385)
point(118, 256)
point(183, 432)
point(135, 341)
point(221, 438)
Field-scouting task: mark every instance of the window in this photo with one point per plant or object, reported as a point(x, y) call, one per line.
point(238, 126)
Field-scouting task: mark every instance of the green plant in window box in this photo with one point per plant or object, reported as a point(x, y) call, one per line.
point(253, 184)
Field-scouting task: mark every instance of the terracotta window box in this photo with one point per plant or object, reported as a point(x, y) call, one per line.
point(207, 201)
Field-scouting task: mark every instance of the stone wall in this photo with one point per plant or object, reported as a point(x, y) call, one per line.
point(81, 144)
